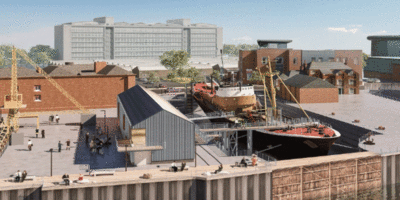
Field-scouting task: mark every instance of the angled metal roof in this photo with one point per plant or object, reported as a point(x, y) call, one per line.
point(84, 69)
point(140, 104)
point(304, 81)
point(5, 72)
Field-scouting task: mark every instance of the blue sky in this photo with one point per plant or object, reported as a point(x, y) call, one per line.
point(316, 24)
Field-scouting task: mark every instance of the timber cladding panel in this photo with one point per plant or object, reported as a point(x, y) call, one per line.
point(337, 179)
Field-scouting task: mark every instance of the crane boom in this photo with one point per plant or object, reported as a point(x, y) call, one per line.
point(53, 82)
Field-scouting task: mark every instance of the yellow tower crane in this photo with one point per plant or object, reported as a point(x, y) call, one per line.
point(13, 101)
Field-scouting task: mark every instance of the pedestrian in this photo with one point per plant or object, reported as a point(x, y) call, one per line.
point(87, 137)
point(30, 145)
point(57, 118)
point(37, 133)
point(59, 146)
point(68, 144)
point(43, 136)
point(18, 176)
point(24, 174)
point(65, 177)
point(51, 118)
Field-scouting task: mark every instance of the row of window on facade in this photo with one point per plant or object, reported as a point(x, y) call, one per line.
point(279, 60)
point(340, 82)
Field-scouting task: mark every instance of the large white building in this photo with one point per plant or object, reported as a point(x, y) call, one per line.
point(103, 39)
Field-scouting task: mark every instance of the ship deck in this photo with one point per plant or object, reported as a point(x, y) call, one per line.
point(201, 87)
point(303, 131)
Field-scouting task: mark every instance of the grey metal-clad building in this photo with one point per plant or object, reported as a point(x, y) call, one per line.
point(164, 125)
point(385, 52)
point(103, 39)
point(317, 55)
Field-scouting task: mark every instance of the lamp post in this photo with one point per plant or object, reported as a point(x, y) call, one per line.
point(105, 122)
point(51, 162)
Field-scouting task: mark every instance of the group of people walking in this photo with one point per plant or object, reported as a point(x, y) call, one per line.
point(20, 176)
point(51, 119)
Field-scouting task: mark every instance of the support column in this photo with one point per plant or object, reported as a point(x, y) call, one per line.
point(384, 176)
point(20, 194)
point(138, 191)
point(5, 194)
point(249, 142)
point(208, 189)
point(224, 141)
point(110, 192)
point(95, 193)
point(152, 192)
point(256, 187)
point(268, 186)
point(220, 189)
point(166, 190)
point(244, 188)
point(80, 193)
point(393, 181)
point(65, 194)
point(232, 189)
point(236, 142)
point(50, 194)
point(179, 190)
point(124, 192)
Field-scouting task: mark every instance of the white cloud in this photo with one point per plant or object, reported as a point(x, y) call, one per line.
point(379, 33)
point(29, 39)
point(358, 25)
point(244, 39)
point(342, 29)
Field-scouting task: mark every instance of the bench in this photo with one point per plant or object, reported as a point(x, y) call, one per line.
point(101, 172)
point(31, 178)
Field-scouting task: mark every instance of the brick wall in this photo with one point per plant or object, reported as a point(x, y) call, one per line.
point(318, 95)
point(247, 60)
point(294, 66)
point(91, 92)
point(396, 72)
point(351, 55)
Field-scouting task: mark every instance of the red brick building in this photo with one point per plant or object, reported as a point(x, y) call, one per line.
point(338, 74)
point(307, 89)
point(93, 86)
point(289, 59)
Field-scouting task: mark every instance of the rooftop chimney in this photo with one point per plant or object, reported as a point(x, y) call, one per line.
point(98, 66)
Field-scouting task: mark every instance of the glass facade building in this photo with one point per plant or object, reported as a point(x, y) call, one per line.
point(103, 39)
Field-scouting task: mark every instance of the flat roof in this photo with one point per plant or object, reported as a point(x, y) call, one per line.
point(274, 41)
point(383, 37)
point(372, 111)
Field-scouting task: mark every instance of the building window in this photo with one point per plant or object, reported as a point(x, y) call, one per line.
point(355, 61)
point(279, 60)
point(351, 82)
point(264, 60)
point(38, 98)
point(344, 60)
point(38, 88)
point(294, 60)
point(339, 82)
point(351, 90)
point(337, 59)
point(320, 59)
point(123, 122)
point(331, 59)
point(313, 59)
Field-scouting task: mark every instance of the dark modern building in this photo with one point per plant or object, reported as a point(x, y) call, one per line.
point(384, 61)
point(153, 129)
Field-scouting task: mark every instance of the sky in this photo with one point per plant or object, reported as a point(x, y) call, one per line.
point(311, 24)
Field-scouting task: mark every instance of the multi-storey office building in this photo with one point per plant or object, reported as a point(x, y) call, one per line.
point(102, 39)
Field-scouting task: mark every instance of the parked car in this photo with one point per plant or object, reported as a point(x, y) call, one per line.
point(377, 80)
point(144, 80)
point(162, 85)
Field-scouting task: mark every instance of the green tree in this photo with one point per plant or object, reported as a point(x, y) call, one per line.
point(256, 76)
point(42, 54)
point(182, 72)
point(194, 74)
point(173, 60)
point(364, 59)
point(216, 74)
point(153, 78)
point(6, 55)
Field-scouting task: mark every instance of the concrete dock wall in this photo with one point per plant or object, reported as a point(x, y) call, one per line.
point(391, 175)
point(255, 185)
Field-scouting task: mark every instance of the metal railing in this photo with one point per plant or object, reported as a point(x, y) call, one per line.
point(212, 114)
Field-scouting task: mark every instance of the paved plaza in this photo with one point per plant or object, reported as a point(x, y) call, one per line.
point(372, 111)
